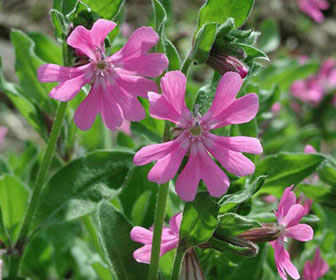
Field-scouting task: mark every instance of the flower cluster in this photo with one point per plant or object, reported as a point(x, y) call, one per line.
point(313, 89)
point(314, 8)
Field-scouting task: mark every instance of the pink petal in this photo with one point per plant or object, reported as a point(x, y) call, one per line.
point(290, 268)
point(67, 90)
point(287, 200)
point(227, 89)
point(130, 105)
point(56, 73)
point(293, 216)
point(98, 101)
point(239, 143)
point(154, 152)
point(168, 246)
point(155, 63)
point(307, 271)
point(143, 254)
point(173, 86)
point(214, 178)
point(167, 167)
point(141, 41)
point(136, 86)
point(187, 182)
point(232, 161)
point(91, 41)
point(175, 223)
point(170, 105)
point(321, 267)
point(242, 110)
point(309, 149)
point(300, 232)
point(100, 29)
point(141, 235)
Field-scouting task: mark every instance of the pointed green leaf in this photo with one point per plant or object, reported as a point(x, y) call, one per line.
point(77, 188)
point(114, 235)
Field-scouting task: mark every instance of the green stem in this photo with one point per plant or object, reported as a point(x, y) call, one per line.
point(160, 212)
point(186, 63)
point(40, 179)
point(178, 263)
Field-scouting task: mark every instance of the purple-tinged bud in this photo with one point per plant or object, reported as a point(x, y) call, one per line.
point(268, 232)
point(226, 63)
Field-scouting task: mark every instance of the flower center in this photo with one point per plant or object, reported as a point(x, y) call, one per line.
point(196, 130)
point(101, 65)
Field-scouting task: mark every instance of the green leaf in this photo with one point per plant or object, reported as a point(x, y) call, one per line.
point(26, 65)
point(205, 38)
point(160, 15)
point(138, 197)
point(59, 24)
point(232, 224)
point(107, 9)
point(114, 235)
point(230, 201)
point(46, 49)
point(270, 38)
point(64, 6)
point(327, 173)
point(172, 54)
point(285, 169)
point(77, 188)
point(199, 220)
point(252, 52)
point(219, 11)
point(13, 201)
point(29, 111)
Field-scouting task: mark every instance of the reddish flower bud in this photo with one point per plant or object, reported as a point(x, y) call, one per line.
point(268, 232)
point(224, 63)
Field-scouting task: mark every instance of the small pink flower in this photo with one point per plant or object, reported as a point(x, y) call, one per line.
point(276, 107)
point(194, 137)
point(308, 91)
point(313, 8)
point(313, 270)
point(115, 80)
point(269, 198)
point(3, 132)
point(313, 179)
point(288, 216)
point(306, 203)
point(169, 239)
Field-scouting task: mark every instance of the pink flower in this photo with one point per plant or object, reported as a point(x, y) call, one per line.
point(313, 8)
point(115, 80)
point(313, 179)
point(276, 107)
point(288, 216)
point(308, 91)
point(315, 269)
point(169, 239)
point(3, 132)
point(327, 74)
point(195, 139)
point(269, 198)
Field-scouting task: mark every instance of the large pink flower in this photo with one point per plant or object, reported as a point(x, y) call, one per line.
point(169, 239)
point(313, 8)
point(315, 269)
point(288, 216)
point(115, 80)
point(196, 140)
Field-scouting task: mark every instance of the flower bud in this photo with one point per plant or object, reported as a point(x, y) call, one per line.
point(224, 63)
point(268, 232)
point(234, 245)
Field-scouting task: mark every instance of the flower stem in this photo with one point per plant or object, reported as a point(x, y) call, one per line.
point(178, 263)
point(186, 63)
point(40, 179)
point(160, 212)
